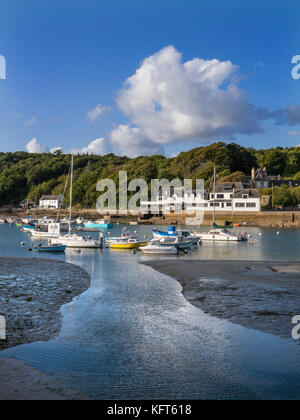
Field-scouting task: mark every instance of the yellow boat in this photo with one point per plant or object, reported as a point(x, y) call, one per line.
point(132, 243)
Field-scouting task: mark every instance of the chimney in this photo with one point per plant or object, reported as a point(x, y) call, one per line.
point(253, 174)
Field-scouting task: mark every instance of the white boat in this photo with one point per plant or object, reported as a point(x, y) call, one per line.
point(180, 243)
point(52, 232)
point(221, 235)
point(74, 240)
point(80, 221)
point(123, 238)
point(155, 247)
point(2, 222)
point(177, 234)
point(77, 241)
point(45, 221)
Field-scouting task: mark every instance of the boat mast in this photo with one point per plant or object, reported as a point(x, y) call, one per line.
point(214, 217)
point(71, 195)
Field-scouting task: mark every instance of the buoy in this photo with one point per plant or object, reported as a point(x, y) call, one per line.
point(22, 243)
point(278, 233)
point(251, 242)
point(260, 234)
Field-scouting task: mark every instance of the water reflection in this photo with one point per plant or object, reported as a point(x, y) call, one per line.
point(133, 335)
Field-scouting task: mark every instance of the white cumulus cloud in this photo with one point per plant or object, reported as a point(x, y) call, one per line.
point(130, 141)
point(96, 147)
point(34, 147)
point(168, 101)
point(93, 114)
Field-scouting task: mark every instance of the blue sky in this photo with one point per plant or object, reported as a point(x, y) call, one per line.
point(66, 58)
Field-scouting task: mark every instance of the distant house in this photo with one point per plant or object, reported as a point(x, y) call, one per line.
point(27, 204)
point(52, 202)
point(260, 179)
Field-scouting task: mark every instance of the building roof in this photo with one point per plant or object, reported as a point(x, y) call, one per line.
point(51, 197)
point(252, 193)
point(228, 186)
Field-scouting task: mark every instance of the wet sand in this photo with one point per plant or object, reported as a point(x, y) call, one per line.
point(22, 382)
point(32, 291)
point(255, 294)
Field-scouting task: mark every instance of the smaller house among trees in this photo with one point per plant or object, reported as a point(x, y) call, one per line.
point(51, 202)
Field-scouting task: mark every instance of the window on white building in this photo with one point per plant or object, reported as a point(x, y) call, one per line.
point(239, 204)
point(251, 205)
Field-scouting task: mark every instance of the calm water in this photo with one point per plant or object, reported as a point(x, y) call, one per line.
point(133, 335)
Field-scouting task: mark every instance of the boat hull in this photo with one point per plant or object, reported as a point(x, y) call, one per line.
point(74, 243)
point(98, 225)
point(61, 248)
point(220, 239)
point(161, 250)
point(127, 246)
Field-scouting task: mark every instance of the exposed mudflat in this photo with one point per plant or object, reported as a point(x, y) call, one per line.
point(256, 294)
point(22, 382)
point(32, 292)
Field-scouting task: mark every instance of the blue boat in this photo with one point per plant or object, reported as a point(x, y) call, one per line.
point(28, 227)
point(103, 223)
point(162, 234)
point(52, 248)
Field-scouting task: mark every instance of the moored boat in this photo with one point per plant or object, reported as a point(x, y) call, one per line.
point(172, 233)
point(52, 248)
point(156, 247)
point(102, 223)
point(221, 235)
point(77, 241)
point(123, 238)
point(131, 243)
point(53, 231)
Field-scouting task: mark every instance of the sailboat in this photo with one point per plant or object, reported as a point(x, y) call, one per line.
point(73, 240)
point(215, 226)
point(220, 233)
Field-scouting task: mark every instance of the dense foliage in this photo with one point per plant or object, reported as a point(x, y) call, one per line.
point(24, 175)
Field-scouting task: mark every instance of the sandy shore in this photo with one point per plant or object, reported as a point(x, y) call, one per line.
point(32, 292)
point(256, 294)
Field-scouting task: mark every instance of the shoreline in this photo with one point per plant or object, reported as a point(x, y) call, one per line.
point(264, 219)
point(32, 292)
point(260, 295)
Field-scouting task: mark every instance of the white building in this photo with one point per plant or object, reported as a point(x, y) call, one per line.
point(232, 196)
point(229, 196)
point(51, 202)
